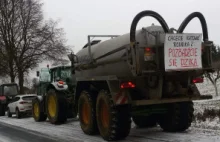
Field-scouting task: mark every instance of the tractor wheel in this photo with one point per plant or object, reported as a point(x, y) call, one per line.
point(178, 118)
point(56, 107)
point(114, 122)
point(87, 113)
point(144, 121)
point(9, 113)
point(37, 111)
point(2, 110)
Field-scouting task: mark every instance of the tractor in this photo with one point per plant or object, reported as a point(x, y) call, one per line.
point(55, 99)
point(7, 92)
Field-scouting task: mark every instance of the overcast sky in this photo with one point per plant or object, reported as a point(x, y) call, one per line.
point(80, 18)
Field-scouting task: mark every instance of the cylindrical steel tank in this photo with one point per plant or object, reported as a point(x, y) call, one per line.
point(145, 37)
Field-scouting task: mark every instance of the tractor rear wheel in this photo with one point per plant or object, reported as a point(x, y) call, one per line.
point(2, 110)
point(37, 111)
point(144, 121)
point(56, 107)
point(114, 122)
point(178, 118)
point(87, 113)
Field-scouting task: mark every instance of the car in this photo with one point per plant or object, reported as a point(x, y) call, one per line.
point(20, 105)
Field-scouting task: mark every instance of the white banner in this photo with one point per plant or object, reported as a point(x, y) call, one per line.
point(182, 51)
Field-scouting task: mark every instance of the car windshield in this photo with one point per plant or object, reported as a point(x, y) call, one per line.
point(65, 73)
point(28, 98)
point(10, 90)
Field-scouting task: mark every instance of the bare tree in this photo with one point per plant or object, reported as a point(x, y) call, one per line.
point(27, 38)
point(213, 77)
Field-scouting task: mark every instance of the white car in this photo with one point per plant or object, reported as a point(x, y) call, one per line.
point(21, 104)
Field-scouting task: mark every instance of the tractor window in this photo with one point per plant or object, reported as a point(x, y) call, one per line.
point(65, 73)
point(10, 90)
point(44, 75)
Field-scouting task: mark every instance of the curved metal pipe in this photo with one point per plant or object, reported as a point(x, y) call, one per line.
point(202, 21)
point(141, 15)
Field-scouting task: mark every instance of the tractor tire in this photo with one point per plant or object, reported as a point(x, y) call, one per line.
point(87, 113)
point(114, 122)
point(178, 118)
point(56, 107)
point(144, 121)
point(37, 111)
point(9, 113)
point(2, 110)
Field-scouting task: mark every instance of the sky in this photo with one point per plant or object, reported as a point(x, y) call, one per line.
point(80, 18)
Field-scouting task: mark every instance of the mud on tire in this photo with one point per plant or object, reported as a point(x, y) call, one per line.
point(87, 113)
point(178, 118)
point(56, 107)
point(37, 111)
point(114, 122)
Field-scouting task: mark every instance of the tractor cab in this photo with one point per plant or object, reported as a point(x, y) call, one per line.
point(9, 90)
point(48, 75)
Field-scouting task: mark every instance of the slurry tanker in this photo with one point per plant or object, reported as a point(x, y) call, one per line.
point(147, 75)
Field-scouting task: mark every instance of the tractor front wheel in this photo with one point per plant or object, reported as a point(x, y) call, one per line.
point(56, 107)
point(37, 111)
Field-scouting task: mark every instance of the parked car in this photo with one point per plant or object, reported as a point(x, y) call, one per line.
point(21, 105)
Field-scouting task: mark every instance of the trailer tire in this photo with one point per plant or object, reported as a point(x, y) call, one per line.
point(178, 118)
point(56, 107)
point(37, 111)
point(87, 113)
point(2, 110)
point(114, 122)
point(144, 121)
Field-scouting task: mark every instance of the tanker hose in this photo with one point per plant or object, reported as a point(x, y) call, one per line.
point(202, 21)
point(141, 15)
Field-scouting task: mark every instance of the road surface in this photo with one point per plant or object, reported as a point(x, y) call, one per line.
point(71, 131)
point(9, 133)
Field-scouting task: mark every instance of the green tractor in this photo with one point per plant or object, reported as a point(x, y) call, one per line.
point(7, 92)
point(55, 99)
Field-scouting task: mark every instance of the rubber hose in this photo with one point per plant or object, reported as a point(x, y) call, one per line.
point(141, 15)
point(202, 21)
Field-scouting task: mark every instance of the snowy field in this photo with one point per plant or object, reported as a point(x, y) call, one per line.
point(201, 131)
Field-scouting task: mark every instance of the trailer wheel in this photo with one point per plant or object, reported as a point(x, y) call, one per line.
point(144, 121)
point(56, 107)
point(114, 122)
point(87, 113)
point(178, 118)
point(37, 111)
point(2, 110)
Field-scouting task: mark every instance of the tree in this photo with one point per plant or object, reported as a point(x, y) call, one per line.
point(26, 39)
point(213, 77)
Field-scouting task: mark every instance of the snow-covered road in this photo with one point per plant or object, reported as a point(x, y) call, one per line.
point(71, 131)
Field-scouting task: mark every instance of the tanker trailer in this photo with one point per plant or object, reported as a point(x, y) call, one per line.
point(134, 76)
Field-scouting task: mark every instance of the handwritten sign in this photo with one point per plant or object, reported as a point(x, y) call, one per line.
point(182, 51)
